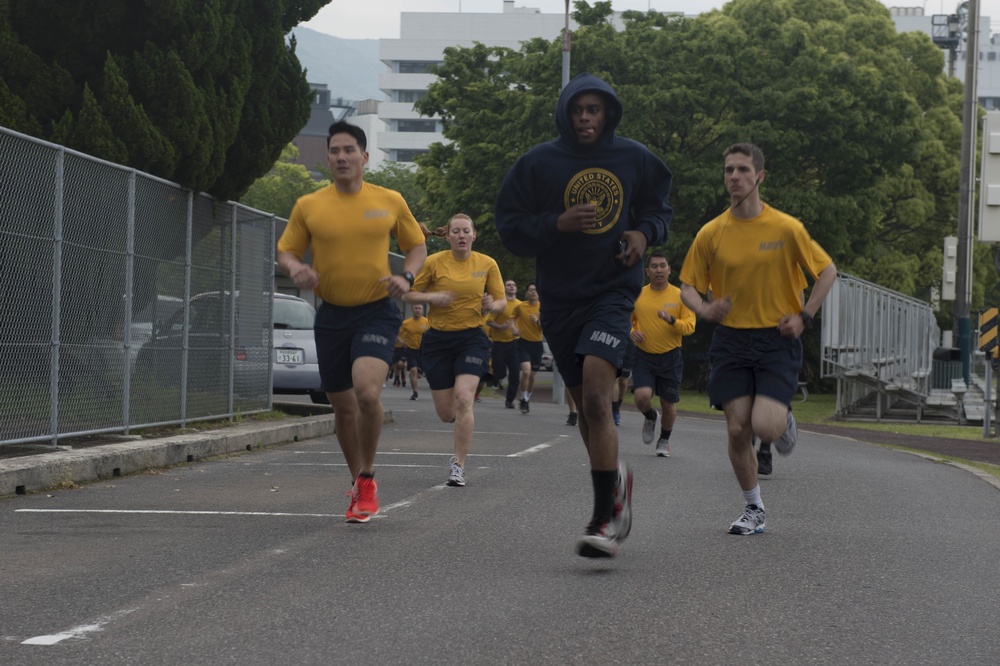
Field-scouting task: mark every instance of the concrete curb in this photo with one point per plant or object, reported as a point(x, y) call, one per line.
point(67, 467)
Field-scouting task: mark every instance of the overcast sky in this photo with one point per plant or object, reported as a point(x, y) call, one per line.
point(373, 19)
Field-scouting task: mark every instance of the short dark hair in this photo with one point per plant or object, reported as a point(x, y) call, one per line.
point(342, 127)
point(755, 154)
point(659, 254)
point(530, 285)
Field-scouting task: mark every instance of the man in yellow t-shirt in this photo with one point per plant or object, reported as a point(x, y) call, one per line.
point(659, 320)
point(506, 361)
point(347, 225)
point(410, 334)
point(528, 327)
point(752, 259)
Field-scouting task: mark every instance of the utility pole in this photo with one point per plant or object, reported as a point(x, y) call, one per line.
point(565, 49)
point(966, 192)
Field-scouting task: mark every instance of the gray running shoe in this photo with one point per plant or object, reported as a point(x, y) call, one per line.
point(599, 540)
point(786, 443)
point(751, 522)
point(663, 448)
point(621, 516)
point(457, 476)
point(764, 466)
point(648, 430)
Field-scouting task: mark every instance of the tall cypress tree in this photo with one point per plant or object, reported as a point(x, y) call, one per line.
point(202, 92)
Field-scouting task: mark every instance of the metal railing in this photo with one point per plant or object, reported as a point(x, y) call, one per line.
point(874, 338)
point(116, 307)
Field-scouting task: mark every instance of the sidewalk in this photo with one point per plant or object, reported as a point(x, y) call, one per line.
point(33, 468)
point(967, 449)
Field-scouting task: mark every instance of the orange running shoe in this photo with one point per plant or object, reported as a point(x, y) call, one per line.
point(352, 514)
point(366, 496)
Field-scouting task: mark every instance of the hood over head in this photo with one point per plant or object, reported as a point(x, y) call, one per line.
point(582, 83)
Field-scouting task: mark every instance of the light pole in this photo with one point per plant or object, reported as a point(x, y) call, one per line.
point(966, 191)
point(565, 49)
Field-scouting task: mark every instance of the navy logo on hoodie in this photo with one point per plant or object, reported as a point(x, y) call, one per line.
point(601, 188)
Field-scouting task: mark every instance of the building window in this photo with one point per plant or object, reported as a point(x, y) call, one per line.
point(416, 66)
point(409, 95)
point(992, 55)
point(416, 125)
point(402, 155)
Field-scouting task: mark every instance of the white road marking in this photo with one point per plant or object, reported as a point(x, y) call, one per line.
point(537, 448)
point(184, 513)
point(75, 632)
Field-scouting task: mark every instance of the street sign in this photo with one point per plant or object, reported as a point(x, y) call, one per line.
point(988, 330)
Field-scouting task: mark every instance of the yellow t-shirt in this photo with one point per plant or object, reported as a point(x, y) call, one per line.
point(412, 330)
point(349, 235)
point(530, 331)
point(468, 279)
point(500, 335)
point(661, 337)
point(757, 263)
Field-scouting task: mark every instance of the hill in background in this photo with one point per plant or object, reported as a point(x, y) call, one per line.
point(349, 67)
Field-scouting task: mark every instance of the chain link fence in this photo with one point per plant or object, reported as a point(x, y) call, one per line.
point(126, 301)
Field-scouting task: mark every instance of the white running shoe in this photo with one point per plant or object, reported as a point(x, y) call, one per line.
point(648, 430)
point(786, 442)
point(751, 522)
point(621, 517)
point(457, 476)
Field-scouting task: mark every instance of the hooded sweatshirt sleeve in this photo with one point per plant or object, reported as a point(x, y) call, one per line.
point(523, 224)
point(651, 210)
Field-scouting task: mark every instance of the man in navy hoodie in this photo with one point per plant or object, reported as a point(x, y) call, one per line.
point(586, 206)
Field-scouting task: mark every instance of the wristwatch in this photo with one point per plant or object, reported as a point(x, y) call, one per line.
point(806, 319)
point(409, 277)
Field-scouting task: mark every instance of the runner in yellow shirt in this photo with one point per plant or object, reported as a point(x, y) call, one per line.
point(459, 285)
point(659, 320)
point(528, 326)
point(752, 259)
point(348, 225)
point(410, 334)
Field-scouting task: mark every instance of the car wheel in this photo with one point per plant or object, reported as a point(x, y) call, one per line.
point(319, 398)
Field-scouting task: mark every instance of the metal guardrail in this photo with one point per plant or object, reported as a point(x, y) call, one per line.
point(873, 338)
point(116, 308)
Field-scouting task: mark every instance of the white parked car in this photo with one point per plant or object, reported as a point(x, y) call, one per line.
point(294, 368)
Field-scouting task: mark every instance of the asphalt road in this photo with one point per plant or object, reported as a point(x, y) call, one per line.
point(871, 556)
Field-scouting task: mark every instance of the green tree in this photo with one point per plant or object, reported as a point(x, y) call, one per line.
point(860, 125)
point(277, 191)
point(205, 93)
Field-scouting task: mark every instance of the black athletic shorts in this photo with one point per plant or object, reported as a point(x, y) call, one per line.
point(753, 361)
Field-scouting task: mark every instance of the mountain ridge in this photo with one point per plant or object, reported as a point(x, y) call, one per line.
point(349, 67)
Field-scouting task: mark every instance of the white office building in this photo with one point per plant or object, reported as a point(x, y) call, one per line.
point(421, 44)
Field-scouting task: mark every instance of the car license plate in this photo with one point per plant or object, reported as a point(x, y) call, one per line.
point(289, 356)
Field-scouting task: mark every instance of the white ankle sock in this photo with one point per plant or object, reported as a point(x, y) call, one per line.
point(753, 496)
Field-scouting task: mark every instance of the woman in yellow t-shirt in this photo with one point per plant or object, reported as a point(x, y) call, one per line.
point(460, 286)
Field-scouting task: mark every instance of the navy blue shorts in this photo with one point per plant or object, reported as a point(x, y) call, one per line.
point(504, 360)
point(753, 361)
point(412, 357)
point(600, 328)
point(398, 354)
point(660, 372)
point(628, 363)
point(530, 352)
point(344, 334)
point(446, 354)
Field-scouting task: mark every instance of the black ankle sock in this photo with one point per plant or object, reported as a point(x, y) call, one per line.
point(665, 434)
point(650, 414)
point(367, 475)
point(604, 494)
